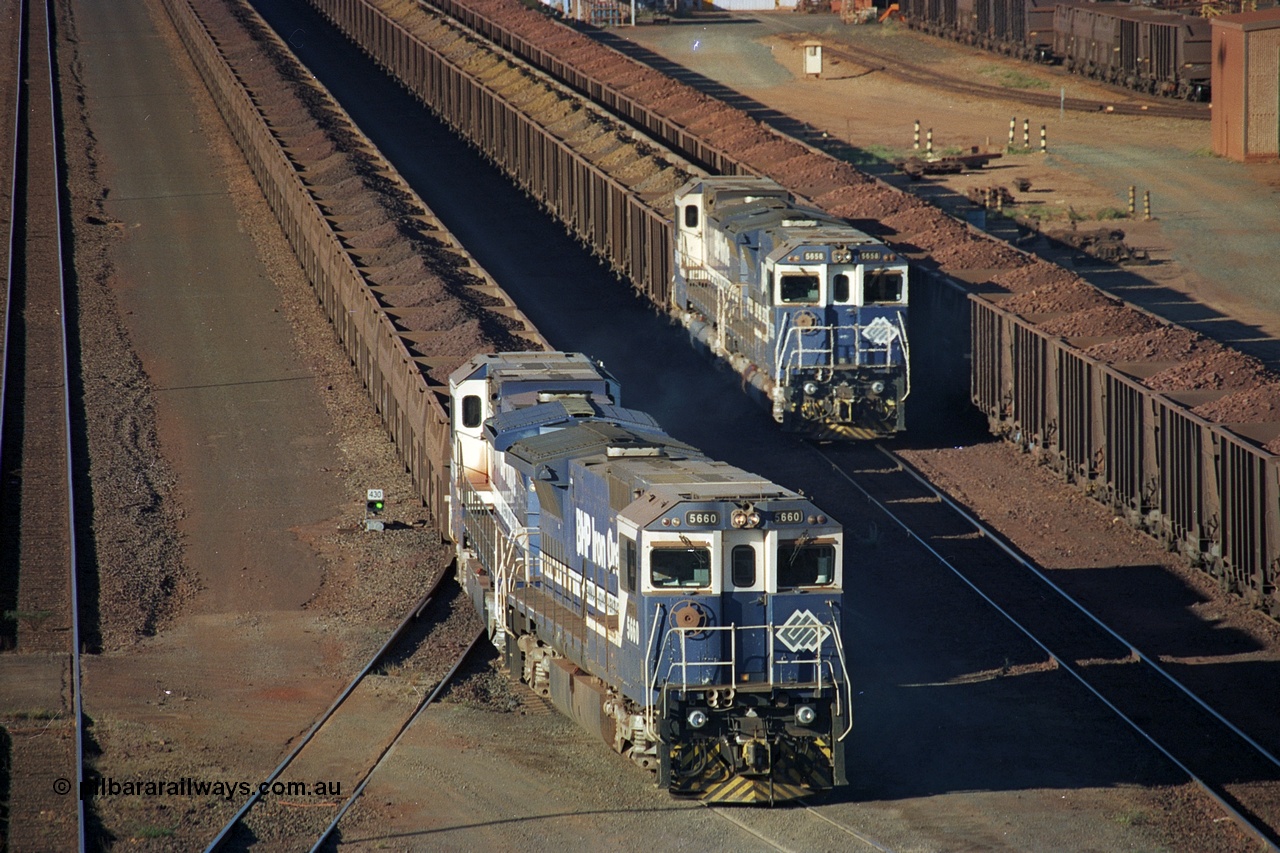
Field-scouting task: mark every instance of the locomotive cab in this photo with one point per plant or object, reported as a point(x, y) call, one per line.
point(839, 307)
point(739, 603)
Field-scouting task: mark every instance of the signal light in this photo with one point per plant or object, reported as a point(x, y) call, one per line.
point(373, 506)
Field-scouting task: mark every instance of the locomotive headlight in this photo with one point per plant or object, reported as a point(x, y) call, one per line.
point(697, 718)
point(811, 388)
point(805, 715)
point(877, 387)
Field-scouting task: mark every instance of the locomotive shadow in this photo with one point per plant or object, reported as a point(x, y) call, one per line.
point(964, 707)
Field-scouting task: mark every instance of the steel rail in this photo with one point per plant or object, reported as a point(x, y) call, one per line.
point(725, 814)
point(870, 842)
point(35, 42)
point(1243, 822)
point(414, 613)
point(73, 562)
point(15, 149)
point(422, 706)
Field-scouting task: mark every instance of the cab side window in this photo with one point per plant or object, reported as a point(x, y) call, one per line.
point(471, 411)
point(628, 564)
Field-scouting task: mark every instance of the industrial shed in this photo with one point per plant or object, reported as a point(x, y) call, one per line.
point(1246, 85)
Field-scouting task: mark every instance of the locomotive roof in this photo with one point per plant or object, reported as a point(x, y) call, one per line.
point(769, 213)
point(732, 188)
point(789, 224)
point(625, 431)
point(694, 479)
point(547, 367)
point(662, 487)
point(508, 427)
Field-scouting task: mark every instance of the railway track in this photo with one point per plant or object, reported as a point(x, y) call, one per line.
point(37, 465)
point(850, 837)
point(1232, 766)
point(316, 784)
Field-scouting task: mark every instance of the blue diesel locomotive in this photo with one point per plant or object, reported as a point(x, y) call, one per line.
point(683, 609)
point(810, 311)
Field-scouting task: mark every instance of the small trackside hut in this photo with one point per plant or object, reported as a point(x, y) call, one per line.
point(810, 311)
point(685, 610)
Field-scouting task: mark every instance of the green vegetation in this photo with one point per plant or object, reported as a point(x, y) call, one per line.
point(35, 714)
point(1137, 817)
point(1011, 78)
point(154, 832)
point(873, 154)
point(1045, 213)
point(33, 618)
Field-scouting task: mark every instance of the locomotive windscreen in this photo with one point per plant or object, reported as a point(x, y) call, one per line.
point(882, 286)
point(797, 288)
point(805, 564)
point(680, 567)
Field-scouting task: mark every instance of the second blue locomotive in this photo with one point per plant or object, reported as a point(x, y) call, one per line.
point(810, 311)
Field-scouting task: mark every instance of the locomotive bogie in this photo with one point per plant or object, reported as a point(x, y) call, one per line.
point(623, 574)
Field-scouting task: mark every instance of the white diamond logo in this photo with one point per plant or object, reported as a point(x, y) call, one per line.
point(880, 331)
point(803, 631)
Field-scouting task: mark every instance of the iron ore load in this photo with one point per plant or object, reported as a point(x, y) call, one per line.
point(686, 611)
point(811, 312)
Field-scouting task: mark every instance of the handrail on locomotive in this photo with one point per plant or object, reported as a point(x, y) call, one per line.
point(817, 662)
